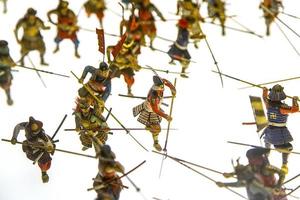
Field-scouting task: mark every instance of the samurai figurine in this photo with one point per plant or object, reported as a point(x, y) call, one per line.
point(4, 6)
point(216, 10)
point(67, 27)
point(107, 183)
point(89, 123)
point(273, 6)
point(32, 38)
point(100, 83)
point(149, 112)
point(147, 21)
point(6, 63)
point(96, 7)
point(190, 12)
point(178, 50)
point(277, 133)
point(125, 60)
point(38, 146)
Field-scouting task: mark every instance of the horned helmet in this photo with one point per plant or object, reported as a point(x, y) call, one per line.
point(277, 93)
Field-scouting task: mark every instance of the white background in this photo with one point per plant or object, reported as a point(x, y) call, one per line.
point(205, 114)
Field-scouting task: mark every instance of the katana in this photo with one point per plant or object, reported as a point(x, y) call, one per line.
point(254, 146)
point(113, 116)
point(59, 150)
point(165, 71)
point(125, 174)
point(43, 71)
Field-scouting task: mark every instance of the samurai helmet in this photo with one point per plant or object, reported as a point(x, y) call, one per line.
point(103, 66)
point(257, 156)
point(277, 93)
point(158, 83)
point(63, 4)
point(4, 50)
point(31, 11)
point(34, 126)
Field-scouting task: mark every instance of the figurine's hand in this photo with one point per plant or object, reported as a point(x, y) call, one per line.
point(169, 118)
point(227, 175)
point(80, 80)
point(47, 28)
point(77, 129)
point(173, 93)
point(50, 148)
point(295, 98)
point(18, 41)
point(13, 141)
point(276, 191)
point(220, 184)
point(163, 19)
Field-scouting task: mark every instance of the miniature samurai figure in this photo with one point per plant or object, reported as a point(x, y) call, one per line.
point(277, 133)
point(96, 7)
point(107, 183)
point(38, 146)
point(67, 27)
point(32, 38)
point(246, 177)
point(190, 12)
point(99, 82)
point(149, 112)
point(147, 21)
point(259, 163)
point(89, 123)
point(272, 6)
point(6, 63)
point(4, 6)
point(216, 10)
point(179, 50)
point(125, 60)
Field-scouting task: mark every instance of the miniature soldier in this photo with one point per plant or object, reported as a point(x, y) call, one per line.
point(216, 9)
point(38, 146)
point(99, 82)
point(259, 163)
point(6, 62)
point(89, 123)
point(246, 177)
point(96, 7)
point(150, 113)
point(107, 183)
point(146, 8)
point(4, 6)
point(178, 50)
point(67, 27)
point(190, 12)
point(32, 38)
point(277, 133)
point(273, 6)
point(125, 60)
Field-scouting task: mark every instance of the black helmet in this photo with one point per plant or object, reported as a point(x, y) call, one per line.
point(157, 81)
point(277, 93)
point(103, 66)
point(4, 50)
point(31, 11)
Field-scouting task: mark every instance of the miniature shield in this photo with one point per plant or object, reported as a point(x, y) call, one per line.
point(258, 112)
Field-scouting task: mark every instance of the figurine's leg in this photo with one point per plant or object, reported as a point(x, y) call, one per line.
point(152, 37)
point(57, 40)
point(4, 6)
point(155, 130)
point(287, 148)
point(129, 79)
point(76, 45)
point(185, 65)
point(44, 168)
point(24, 52)
point(42, 55)
point(9, 99)
point(172, 62)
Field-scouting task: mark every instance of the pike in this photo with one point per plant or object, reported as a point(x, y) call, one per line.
point(39, 75)
point(254, 146)
point(137, 97)
point(59, 150)
point(168, 131)
point(272, 82)
point(111, 180)
point(248, 83)
point(291, 192)
point(291, 179)
point(272, 14)
point(113, 116)
point(43, 71)
point(207, 177)
point(165, 71)
point(246, 28)
point(287, 14)
point(231, 28)
point(115, 129)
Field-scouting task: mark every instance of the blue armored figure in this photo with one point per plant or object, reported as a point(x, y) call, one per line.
point(99, 82)
point(277, 133)
point(178, 50)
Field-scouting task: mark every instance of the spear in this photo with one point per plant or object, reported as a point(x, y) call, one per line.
point(43, 71)
point(59, 150)
point(113, 116)
point(272, 149)
point(59, 126)
point(291, 179)
point(246, 28)
point(114, 129)
point(293, 16)
point(165, 71)
point(249, 83)
point(37, 72)
point(137, 97)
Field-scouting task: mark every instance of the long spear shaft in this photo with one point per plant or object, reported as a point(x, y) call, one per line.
point(59, 150)
point(161, 70)
point(291, 179)
point(59, 126)
point(231, 28)
point(290, 15)
point(44, 71)
point(246, 28)
point(139, 97)
point(37, 72)
point(272, 14)
point(115, 129)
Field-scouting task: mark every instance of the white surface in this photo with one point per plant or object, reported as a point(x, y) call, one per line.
point(205, 114)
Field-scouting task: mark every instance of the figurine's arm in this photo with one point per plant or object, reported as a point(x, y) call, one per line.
point(42, 24)
point(107, 90)
point(265, 96)
point(154, 102)
point(87, 69)
point(285, 109)
point(18, 26)
point(170, 85)
point(178, 7)
point(159, 14)
point(232, 184)
point(17, 129)
point(51, 12)
point(280, 173)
